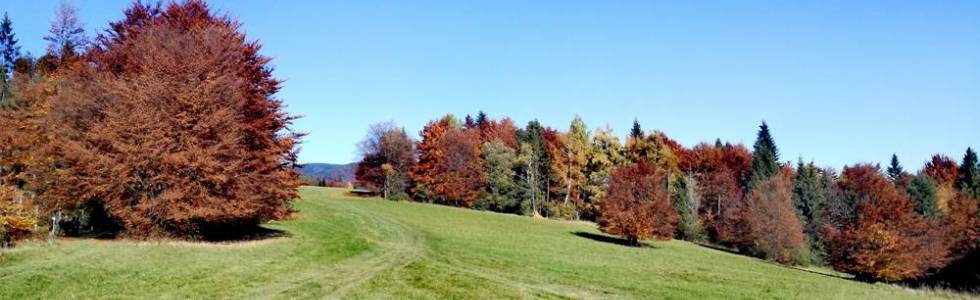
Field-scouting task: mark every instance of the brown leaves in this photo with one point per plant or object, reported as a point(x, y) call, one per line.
point(450, 169)
point(774, 231)
point(172, 127)
point(637, 206)
point(885, 240)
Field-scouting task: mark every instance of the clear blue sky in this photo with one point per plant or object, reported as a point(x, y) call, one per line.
point(838, 82)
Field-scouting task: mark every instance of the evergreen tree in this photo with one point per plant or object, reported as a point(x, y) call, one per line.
point(502, 193)
point(807, 194)
point(895, 170)
point(535, 165)
point(686, 201)
point(765, 157)
point(968, 180)
point(481, 119)
point(922, 189)
point(636, 132)
point(9, 52)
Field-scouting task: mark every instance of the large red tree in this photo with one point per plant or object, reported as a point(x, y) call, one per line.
point(884, 239)
point(172, 126)
point(637, 206)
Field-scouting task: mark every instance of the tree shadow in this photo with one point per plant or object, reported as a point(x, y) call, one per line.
point(611, 239)
point(241, 234)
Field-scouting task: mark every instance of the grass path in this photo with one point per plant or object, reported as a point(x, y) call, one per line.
point(352, 248)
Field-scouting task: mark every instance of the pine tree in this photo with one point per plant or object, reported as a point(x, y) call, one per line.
point(765, 157)
point(481, 120)
point(969, 180)
point(807, 195)
point(895, 170)
point(9, 52)
point(922, 189)
point(636, 132)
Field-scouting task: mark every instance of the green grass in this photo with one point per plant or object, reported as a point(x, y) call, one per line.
point(342, 247)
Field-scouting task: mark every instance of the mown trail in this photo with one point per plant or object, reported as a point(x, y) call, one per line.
point(397, 245)
point(341, 247)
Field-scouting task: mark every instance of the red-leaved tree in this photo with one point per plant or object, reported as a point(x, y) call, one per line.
point(172, 126)
point(884, 239)
point(637, 206)
point(774, 231)
point(450, 169)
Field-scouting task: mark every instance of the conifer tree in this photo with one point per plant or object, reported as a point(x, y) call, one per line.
point(895, 170)
point(969, 180)
point(636, 132)
point(9, 52)
point(922, 190)
point(765, 156)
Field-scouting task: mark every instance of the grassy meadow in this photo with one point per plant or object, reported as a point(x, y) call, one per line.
point(344, 247)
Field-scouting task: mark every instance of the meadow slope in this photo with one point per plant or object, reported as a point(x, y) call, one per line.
point(343, 247)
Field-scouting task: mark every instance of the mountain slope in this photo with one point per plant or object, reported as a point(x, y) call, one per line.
point(329, 171)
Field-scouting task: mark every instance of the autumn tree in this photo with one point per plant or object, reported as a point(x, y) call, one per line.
point(66, 37)
point(722, 171)
point(765, 155)
point(570, 161)
point(172, 126)
point(449, 169)
point(461, 171)
point(636, 206)
point(388, 155)
point(944, 171)
point(882, 238)
point(962, 224)
point(429, 155)
point(774, 231)
point(605, 153)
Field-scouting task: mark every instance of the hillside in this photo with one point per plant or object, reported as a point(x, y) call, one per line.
point(329, 171)
point(338, 246)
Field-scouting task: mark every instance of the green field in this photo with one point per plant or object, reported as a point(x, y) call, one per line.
point(342, 247)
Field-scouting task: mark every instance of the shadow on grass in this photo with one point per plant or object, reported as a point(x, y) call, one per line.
point(241, 234)
point(611, 239)
point(800, 268)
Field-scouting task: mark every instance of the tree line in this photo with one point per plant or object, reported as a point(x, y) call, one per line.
point(889, 225)
point(164, 125)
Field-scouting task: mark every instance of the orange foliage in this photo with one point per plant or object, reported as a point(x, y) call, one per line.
point(774, 231)
point(637, 206)
point(942, 169)
point(885, 239)
point(963, 226)
point(450, 169)
point(172, 126)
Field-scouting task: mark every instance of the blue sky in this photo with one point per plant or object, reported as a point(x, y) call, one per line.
point(839, 82)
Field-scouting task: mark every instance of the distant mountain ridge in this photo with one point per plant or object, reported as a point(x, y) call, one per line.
point(343, 172)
